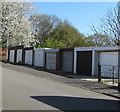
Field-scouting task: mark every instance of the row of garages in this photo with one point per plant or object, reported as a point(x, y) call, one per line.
point(81, 60)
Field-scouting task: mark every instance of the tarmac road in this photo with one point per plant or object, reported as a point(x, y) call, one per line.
point(22, 91)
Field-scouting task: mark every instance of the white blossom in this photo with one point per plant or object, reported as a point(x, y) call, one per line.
point(15, 26)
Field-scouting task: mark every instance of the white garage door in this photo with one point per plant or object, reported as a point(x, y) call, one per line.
point(39, 58)
point(51, 61)
point(11, 56)
point(108, 60)
point(28, 57)
point(67, 60)
point(19, 55)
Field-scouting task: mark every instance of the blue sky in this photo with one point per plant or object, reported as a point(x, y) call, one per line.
point(80, 14)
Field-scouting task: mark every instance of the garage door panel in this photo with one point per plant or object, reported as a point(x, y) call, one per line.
point(19, 55)
point(28, 57)
point(84, 62)
point(11, 56)
point(67, 60)
point(108, 58)
point(51, 61)
point(39, 59)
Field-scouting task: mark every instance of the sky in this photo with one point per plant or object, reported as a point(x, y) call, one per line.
point(80, 14)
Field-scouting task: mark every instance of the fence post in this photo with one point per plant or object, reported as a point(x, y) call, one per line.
point(119, 69)
point(119, 52)
point(113, 74)
point(99, 73)
point(119, 78)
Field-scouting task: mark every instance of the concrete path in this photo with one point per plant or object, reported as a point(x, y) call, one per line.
point(23, 91)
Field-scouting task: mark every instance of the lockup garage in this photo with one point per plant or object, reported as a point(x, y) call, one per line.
point(84, 60)
point(52, 59)
point(67, 59)
point(13, 55)
point(39, 57)
point(108, 58)
point(29, 55)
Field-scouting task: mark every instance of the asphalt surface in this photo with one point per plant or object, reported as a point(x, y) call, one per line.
point(67, 79)
point(24, 91)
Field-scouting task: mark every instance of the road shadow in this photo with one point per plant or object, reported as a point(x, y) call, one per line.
point(78, 103)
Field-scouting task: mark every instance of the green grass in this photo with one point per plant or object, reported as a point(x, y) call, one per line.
point(102, 83)
point(2, 60)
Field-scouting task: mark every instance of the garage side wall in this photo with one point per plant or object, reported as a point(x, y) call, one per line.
point(96, 62)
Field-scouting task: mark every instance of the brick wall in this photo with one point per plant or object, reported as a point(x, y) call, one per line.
point(3, 53)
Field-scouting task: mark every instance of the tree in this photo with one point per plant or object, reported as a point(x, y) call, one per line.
point(69, 35)
point(100, 39)
point(89, 41)
point(15, 27)
point(54, 43)
point(42, 26)
point(109, 30)
point(50, 31)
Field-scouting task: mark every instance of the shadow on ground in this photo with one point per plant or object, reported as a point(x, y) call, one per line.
point(78, 103)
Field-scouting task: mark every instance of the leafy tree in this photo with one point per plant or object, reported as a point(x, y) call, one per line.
point(50, 31)
point(89, 41)
point(42, 26)
point(54, 43)
point(70, 36)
